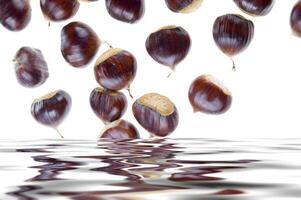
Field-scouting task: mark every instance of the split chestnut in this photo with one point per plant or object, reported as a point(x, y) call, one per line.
point(120, 130)
point(183, 6)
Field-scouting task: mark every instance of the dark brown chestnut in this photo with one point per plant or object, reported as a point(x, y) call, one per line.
point(156, 113)
point(15, 14)
point(129, 11)
point(51, 109)
point(295, 19)
point(169, 45)
point(255, 7)
point(120, 130)
point(108, 105)
point(58, 10)
point(232, 34)
point(208, 95)
point(30, 67)
point(115, 69)
point(186, 6)
point(79, 44)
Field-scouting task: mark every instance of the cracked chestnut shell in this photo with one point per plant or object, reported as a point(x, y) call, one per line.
point(295, 19)
point(156, 113)
point(108, 105)
point(15, 14)
point(255, 7)
point(30, 67)
point(79, 44)
point(129, 11)
point(115, 69)
point(51, 109)
point(59, 10)
point(169, 45)
point(120, 130)
point(232, 33)
point(208, 95)
point(183, 6)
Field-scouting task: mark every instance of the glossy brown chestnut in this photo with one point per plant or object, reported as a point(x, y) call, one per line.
point(30, 67)
point(51, 109)
point(295, 19)
point(115, 69)
point(156, 113)
point(169, 45)
point(129, 11)
point(208, 95)
point(79, 44)
point(58, 10)
point(108, 105)
point(15, 14)
point(120, 130)
point(183, 6)
point(255, 7)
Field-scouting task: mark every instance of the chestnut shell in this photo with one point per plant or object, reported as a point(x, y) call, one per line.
point(255, 7)
point(51, 109)
point(108, 105)
point(30, 67)
point(169, 45)
point(183, 6)
point(115, 69)
point(129, 11)
point(15, 14)
point(207, 95)
point(79, 44)
point(232, 33)
point(58, 10)
point(120, 130)
point(295, 19)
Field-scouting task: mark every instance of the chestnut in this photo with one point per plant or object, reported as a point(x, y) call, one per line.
point(255, 7)
point(156, 113)
point(79, 44)
point(120, 130)
point(108, 105)
point(58, 10)
point(295, 19)
point(30, 67)
point(51, 109)
point(129, 11)
point(208, 95)
point(180, 6)
point(169, 45)
point(115, 69)
point(15, 14)
point(232, 33)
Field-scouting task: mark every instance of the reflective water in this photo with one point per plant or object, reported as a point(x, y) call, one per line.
point(159, 169)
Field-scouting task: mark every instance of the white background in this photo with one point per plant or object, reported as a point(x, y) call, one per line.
point(265, 87)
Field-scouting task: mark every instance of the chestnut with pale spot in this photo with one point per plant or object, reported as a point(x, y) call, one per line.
point(108, 105)
point(295, 19)
point(79, 44)
point(183, 6)
point(120, 130)
point(255, 7)
point(208, 95)
point(156, 113)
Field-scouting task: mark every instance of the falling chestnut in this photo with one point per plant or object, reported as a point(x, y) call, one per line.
point(129, 11)
point(120, 130)
point(15, 14)
point(232, 34)
point(30, 67)
point(115, 69)
point(295, 19)
point(156, 113)
point(169, 45)
point(79, 44)
point(255, 7)
point(51, 109)
point(180, 6)
point(108, 105)
point(208, 95)
point(58, 10)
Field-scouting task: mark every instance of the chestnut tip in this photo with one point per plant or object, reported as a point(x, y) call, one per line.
point(180, 6)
